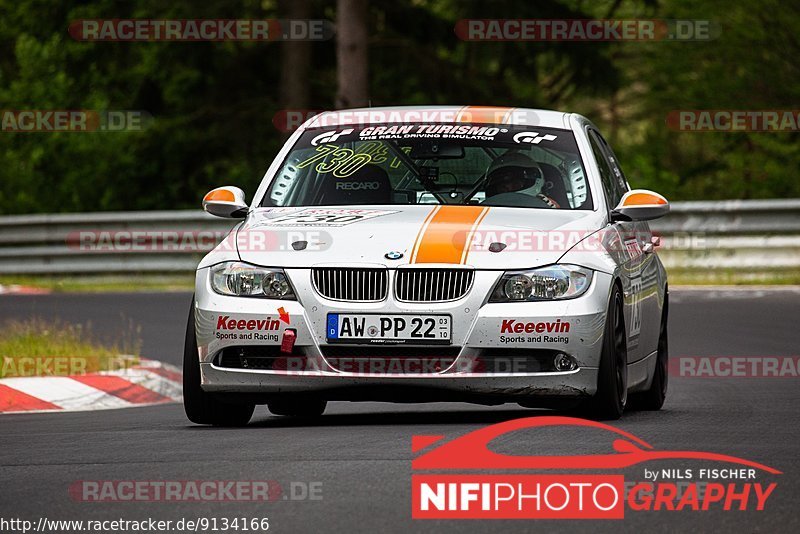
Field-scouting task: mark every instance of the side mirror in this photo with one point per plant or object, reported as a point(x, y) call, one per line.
point(640, 205)
point(227, 201)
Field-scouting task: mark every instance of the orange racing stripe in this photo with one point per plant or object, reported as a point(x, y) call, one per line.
point(445, 234)
point(484, 114)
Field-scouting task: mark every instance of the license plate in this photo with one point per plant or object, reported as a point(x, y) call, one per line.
point(371, 328)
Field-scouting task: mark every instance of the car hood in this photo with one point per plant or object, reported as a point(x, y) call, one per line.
point(395, 235)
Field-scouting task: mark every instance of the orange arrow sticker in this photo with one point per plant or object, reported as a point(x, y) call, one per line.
point(284, 316)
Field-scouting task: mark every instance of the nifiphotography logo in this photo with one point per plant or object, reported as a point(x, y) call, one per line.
point(455, 484)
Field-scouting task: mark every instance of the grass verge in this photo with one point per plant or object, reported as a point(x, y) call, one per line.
point(104, 283)
point(36, 347)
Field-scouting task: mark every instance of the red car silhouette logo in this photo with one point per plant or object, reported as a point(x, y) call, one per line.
point(471, 450)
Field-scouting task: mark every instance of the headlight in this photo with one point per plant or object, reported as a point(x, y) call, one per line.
point(554, 282)
point(243, 280)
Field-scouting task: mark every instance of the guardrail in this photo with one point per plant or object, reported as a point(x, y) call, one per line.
point(737, 234)
point(731, 234)
point(51, 244)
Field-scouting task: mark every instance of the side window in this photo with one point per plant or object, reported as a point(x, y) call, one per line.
point(607, 175)
point(620, 183)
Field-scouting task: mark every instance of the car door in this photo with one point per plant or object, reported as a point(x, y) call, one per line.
point(629, 241)
point(647, 299)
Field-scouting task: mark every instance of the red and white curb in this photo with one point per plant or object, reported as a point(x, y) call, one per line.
point(22, 290)
point(150, 382)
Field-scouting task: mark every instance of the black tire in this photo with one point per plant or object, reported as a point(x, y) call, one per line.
point(201, 407)
point(298, 407)
point(612, 381)
point(653, 398)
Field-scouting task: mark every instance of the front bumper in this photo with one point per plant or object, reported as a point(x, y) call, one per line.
point(419, 388)
point(480, 330)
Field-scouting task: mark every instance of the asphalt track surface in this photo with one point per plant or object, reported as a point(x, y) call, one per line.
point(360, 452)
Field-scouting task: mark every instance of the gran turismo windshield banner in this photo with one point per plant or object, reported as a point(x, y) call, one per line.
point(433, 163)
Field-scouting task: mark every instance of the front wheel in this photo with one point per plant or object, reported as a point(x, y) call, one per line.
point(612, 381)
point(202, 407)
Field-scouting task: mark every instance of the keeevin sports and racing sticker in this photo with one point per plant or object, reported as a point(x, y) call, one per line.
point(519, 331)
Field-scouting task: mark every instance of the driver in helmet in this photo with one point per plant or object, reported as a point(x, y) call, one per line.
point(514, 172)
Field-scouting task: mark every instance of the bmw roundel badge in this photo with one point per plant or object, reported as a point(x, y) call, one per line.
point(393, 255)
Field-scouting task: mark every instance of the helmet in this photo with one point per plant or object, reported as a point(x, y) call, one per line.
point(512, 172)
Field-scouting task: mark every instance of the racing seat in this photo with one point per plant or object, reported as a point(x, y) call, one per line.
point(554, 185)
point(368, 185)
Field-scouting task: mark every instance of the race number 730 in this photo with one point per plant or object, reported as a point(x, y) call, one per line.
point(341, 162)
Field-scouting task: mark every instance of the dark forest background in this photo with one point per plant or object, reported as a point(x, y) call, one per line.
point(213, 103)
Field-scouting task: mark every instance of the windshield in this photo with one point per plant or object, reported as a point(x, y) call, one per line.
point(441, 163)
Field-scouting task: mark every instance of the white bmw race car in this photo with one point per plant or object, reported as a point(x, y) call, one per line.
point(409, 254)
